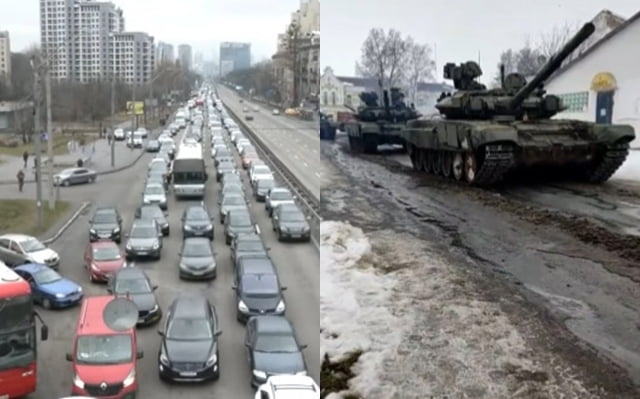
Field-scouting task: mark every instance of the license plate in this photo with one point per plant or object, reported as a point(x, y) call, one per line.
point(142, 252)
point(184, 374)
point(295, 236)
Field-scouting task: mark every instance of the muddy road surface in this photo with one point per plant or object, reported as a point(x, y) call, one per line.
point(557, 265)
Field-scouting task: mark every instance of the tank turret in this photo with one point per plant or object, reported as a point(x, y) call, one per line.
point(515, 99)
point(393, 109)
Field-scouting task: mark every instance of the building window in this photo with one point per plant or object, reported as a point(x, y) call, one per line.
point(325, 98)
point(348, 100)
point(333, 98)
point(575, 102)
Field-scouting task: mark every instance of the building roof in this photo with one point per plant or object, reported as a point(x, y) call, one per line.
point(596, 45)
point(372, 83)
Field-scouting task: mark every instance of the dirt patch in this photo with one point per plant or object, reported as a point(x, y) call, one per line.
point(335, 376)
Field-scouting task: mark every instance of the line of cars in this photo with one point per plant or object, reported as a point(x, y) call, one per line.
point(275, 355)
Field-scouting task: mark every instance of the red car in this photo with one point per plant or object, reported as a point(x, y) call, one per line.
point(247, 158)
point(103, 258)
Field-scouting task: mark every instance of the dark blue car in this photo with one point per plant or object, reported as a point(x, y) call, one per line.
point(50, 289)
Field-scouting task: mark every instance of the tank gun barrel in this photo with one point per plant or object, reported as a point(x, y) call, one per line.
point(552, 64)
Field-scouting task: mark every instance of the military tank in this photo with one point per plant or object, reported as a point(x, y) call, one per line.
point(486, 135)
point(375, 125)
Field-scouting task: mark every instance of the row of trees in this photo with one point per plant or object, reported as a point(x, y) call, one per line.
point(395, 61)
point(259, 77)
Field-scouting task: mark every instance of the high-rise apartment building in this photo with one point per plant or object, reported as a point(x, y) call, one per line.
point(234, 56)
point(85, 41)
point(184, 56)
point(164, 53)
point(5, 57)
point(134, 57)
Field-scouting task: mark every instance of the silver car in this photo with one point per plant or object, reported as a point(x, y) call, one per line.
point(231, 202)
point(278, 196)
point(154, 194)
point(71, 176)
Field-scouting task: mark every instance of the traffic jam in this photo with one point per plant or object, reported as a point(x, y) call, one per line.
point(103, 351)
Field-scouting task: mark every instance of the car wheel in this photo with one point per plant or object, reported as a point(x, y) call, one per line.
point(279, 235)
point(227, 240)
point(46, 303)
point(92, 179)
point(66, 183)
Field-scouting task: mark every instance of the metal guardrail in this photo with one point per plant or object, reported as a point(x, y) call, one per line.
point(311, 204)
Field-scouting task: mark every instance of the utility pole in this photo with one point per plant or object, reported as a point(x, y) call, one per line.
point(134, 116)
point(37, 132)
point(47, 82)
point(113, 109)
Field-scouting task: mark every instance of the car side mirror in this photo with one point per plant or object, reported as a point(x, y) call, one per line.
point(109, 290)
point(268, 248)
point(155, 287)
point(303, 347)
point(44, 333)
point(179, 253)
point(235, 287)
point(264, 395)
point(218, 333)
point(295, 197)
point(283, 288)
point(69, 357)
point(160, 333)
point(308, 217)
point(140, 355)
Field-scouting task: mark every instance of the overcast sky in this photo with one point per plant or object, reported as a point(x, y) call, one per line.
point(458, 29)
point(201, 23)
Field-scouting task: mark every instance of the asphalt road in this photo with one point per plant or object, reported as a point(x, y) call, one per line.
point(297, 264)
point(295, 142)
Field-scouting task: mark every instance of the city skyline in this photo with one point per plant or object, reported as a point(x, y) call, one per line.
point(226, 21)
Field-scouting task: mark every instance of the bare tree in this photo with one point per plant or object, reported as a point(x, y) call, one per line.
point(419, 66)
point(383, 57)
point(550, 42)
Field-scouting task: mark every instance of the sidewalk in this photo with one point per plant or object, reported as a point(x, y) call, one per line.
point(96, 155)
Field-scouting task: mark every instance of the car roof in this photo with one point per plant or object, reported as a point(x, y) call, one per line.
point(270, 324)
point(32, 267)
point(17, 237)
point(190, 306)
point(293, 386)
point(90, 319)
point(256, 264)
point(282, 189)
point(104, 244)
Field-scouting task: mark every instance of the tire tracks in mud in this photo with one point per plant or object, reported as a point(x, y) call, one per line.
point(624, 246)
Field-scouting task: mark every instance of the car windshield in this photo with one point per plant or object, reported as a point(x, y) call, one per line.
point(154, 190)
point(250, 246)
point(276, 343)
point(189, 329)
point(108, 253)
point(151, 212)
point(235, 200)
point(132, 286)
point(143, 232)
point(104, 349)
point(104, 218)
point(197, 214)
point(265, 184)
point(32, 245)
point(154, 143)
point(261, 170)
point(199, 249)
point(46, 276)
point(232, 188)
point(281, 196)
point(240, 219)
point(292, 217)
point(138, 135)
point(220, 152)
point(257, 286)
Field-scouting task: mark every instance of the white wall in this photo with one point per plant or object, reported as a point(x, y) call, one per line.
point(620, 57)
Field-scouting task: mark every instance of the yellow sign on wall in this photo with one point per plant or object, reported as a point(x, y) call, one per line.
point(137, 106)
point(603, 81)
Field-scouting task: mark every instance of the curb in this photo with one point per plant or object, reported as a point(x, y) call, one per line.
point(67, 224)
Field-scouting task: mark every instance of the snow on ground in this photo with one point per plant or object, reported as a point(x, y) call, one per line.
point(423, 330)
point(630, 169)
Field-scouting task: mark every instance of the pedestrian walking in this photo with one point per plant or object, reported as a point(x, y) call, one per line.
point(25, 157)
point(20, 177)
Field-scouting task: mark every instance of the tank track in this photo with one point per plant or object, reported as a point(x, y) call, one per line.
point(495, 166)
point(612, 159)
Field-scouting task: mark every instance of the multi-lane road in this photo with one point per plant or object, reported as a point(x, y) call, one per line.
point(295, 142)
point(297, 263)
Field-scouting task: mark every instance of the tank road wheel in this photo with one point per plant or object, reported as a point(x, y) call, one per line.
point(458, 166)
point(446, 159)
point(414, 154)
point(437, 162)
point(370, 143)
point(426, 161)
point(470, 167)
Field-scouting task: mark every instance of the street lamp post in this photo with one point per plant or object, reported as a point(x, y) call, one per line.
point(113, 100)
point(37, 131)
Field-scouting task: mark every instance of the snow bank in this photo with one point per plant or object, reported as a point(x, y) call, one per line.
point(630, 169)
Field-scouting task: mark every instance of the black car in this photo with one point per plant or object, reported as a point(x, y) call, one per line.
point(154, 212)
point(144, 240)
point(245, 245)
point(189, 348)
point(197, 260)
point(290, 223)
point(238, 222)
point(258, 294)
point(273, 349)
point(196, 222)
point(134, 283)
point(105, 223)
point(261, 188)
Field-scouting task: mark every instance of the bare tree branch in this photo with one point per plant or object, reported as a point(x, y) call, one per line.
point(551, 42)
point(419, 66)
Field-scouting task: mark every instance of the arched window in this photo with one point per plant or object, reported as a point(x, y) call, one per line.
point(325, 98)
point(333, 98)
point(348, 100)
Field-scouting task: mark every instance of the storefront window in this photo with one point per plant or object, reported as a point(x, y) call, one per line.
point(575, 102)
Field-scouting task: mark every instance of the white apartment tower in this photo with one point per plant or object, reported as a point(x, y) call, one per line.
point(85, 41)
point(5, 57)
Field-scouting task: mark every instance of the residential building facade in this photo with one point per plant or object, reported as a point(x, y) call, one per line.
point(5, 57)
point(134, 57)
point(602, 84)
point(184, 56)
point(234, 56)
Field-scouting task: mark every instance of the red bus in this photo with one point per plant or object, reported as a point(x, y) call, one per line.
point(18, 355)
